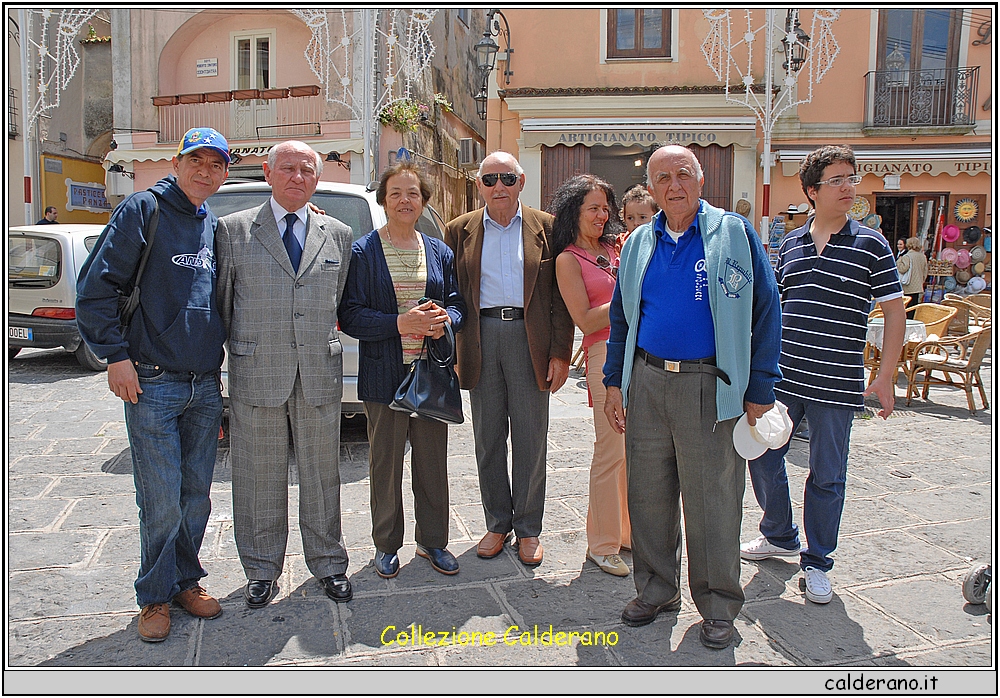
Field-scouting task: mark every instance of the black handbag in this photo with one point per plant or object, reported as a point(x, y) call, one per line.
point(430, 390)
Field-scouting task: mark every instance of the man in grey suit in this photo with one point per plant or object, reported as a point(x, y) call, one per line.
point(282, 269)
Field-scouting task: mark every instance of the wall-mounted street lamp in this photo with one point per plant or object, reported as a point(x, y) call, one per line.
point(482, 99)
point(119, 170)
point(796, 43)
point(334, 156)
point(486, 57)
point(487, 48)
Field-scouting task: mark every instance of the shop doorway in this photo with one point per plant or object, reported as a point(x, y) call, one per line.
point(625, 166)
point(910, 215)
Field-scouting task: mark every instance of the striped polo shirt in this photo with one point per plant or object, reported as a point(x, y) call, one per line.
point(825, 301)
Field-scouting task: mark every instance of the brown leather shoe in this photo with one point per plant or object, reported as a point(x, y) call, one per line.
point(637, 612)
point(154, 622)
point(491, 545)
point(530, 551)
point(197, 602)
point(716, 634)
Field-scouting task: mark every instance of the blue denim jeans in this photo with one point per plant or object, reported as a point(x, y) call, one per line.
point(174, 433)
point(823, 503)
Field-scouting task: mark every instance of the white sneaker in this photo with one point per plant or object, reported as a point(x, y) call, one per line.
point(760, 549)
point(612, 564)
point(818, 589)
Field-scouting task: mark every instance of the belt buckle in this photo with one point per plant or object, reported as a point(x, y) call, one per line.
point(504, 311)
point(672, 366)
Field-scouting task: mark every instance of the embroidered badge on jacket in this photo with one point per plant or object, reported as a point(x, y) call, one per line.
point(736, 277)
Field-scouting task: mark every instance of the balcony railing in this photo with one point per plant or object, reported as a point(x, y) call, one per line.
point(914, 98)
point(285, 112)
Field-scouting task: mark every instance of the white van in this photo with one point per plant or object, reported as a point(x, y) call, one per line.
point(351, 204)
point(43, 262)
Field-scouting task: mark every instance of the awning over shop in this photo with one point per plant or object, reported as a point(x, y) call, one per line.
point(257, 148)
point(971, 160)
point(642, 132)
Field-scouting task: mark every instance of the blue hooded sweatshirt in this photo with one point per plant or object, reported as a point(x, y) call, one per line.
point(177, 325)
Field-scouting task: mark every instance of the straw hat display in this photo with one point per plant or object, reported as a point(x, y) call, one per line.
point(977, 284)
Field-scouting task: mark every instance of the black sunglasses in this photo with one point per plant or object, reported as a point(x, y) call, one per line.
point(509, 179)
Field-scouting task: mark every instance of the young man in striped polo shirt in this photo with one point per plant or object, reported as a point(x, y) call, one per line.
point(828, 272)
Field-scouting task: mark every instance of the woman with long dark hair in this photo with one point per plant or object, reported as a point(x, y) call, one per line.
point(584, 232)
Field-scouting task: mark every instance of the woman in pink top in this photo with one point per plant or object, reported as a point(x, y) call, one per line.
point(584, 233)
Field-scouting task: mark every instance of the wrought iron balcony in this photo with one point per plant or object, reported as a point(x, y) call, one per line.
point(243, 114)
point(916, 98)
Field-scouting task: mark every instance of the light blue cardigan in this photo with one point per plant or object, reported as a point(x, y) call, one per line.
point(742, 294)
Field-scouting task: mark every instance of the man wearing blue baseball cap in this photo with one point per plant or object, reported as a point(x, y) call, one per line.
point(164, 364)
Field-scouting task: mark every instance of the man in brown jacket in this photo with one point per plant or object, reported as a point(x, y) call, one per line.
point(514, 350)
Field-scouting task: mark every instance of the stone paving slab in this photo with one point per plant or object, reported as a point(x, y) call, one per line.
point(917, 516)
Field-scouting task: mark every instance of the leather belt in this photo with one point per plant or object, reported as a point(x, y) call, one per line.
point(503, 313)
point(699, 366)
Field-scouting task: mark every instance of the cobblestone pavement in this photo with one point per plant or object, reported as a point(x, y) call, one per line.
point(919, 513)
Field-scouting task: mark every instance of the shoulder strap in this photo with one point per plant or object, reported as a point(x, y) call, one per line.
point(154, 222)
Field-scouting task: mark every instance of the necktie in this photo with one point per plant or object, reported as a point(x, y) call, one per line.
point(292, 245)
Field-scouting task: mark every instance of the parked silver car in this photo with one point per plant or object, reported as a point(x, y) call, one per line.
point(43, 262)
point(351, 204)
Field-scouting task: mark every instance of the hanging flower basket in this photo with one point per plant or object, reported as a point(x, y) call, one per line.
point(403, 115)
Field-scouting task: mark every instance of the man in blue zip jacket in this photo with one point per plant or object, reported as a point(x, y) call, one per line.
point(695, 337)
point(165, 368)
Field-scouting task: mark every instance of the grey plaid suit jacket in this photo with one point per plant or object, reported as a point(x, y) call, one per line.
point(278, 321)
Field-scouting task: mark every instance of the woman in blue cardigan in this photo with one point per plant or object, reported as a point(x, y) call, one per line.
point(401, 288)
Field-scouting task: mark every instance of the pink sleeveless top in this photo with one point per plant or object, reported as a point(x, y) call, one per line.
point(600, 285)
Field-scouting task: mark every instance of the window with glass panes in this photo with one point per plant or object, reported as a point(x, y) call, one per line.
point(639, 33)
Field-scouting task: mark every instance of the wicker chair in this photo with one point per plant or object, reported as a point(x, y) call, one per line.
point(961, 370)
point(984, 303)
point(935, 317)
point(984, 300)
point(967, 316)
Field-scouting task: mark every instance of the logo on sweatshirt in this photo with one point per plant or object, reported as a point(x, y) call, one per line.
point(736, 277)
point(205, 259)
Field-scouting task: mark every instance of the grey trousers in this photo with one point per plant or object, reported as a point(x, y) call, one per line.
point(677, 451)
point(507, 399)
point(259, 437)
point(387, 432)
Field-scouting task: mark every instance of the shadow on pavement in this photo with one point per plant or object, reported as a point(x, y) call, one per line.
point(821, 634)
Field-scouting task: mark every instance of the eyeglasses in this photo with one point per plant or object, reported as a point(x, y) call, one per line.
point(853, 180)
point(509, 179)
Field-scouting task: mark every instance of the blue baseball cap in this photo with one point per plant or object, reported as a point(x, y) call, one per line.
point(204, 138)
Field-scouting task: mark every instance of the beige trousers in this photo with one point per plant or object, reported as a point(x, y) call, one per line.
point(608, 526)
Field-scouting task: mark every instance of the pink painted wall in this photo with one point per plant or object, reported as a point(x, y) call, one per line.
point(201, 38)
point(571, 38)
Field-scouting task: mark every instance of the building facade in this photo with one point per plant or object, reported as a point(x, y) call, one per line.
point(264, 76)
point(594, 90)
point(57, 136)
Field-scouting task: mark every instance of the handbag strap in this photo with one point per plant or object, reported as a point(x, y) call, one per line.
point(434, 351)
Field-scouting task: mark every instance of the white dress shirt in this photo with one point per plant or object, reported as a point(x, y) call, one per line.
point(300, 228)
point(501, 281)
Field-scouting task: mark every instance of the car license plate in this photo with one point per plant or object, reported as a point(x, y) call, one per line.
point(19, 333)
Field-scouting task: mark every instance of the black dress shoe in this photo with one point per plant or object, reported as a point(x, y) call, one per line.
point(716, 634)
point(386, 565)
point(441, 560)
point(638, 612)
point(337, 587)
point(259, 592)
